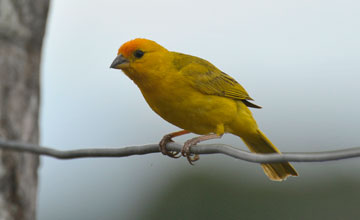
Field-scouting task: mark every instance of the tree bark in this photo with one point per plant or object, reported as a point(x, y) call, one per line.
point(22, 27)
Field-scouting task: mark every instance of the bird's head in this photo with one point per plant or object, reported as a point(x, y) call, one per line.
point(140, 57)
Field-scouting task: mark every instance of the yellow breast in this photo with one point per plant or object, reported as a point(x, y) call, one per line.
point(187, 108)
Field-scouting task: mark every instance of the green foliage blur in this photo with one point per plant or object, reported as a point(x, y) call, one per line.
point(244, 196)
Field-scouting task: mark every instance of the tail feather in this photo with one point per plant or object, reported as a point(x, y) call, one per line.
point(259, 143)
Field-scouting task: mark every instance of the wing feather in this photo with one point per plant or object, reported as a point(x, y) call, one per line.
point(208, 79)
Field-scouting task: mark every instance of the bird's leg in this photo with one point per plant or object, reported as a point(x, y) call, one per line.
point(185, 151)
point(168, 138)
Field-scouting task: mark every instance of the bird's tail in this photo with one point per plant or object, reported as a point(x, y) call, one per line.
point(259, 143)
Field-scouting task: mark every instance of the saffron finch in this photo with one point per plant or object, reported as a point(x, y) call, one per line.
point(193, 94)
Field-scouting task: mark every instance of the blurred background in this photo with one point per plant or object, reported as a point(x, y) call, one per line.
point(297, 59)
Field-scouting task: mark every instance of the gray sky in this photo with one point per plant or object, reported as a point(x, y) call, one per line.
point(297, 59)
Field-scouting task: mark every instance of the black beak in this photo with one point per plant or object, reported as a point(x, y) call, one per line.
point(119, 62)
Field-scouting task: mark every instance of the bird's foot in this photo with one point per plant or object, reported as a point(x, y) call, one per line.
point(165, 140)
point(185, 151)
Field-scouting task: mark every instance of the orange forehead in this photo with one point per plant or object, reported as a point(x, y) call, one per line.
point(129, 47)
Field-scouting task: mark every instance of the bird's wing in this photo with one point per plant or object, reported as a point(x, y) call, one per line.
point(208, 79)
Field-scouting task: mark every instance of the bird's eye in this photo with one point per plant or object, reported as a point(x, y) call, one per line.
point(138, 53)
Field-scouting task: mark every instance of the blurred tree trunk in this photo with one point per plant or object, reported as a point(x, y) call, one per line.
point(22, 27)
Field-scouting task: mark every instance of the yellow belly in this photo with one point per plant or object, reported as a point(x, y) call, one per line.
point(192, 110)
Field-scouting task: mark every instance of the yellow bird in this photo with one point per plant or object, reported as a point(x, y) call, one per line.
point(191, 93)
